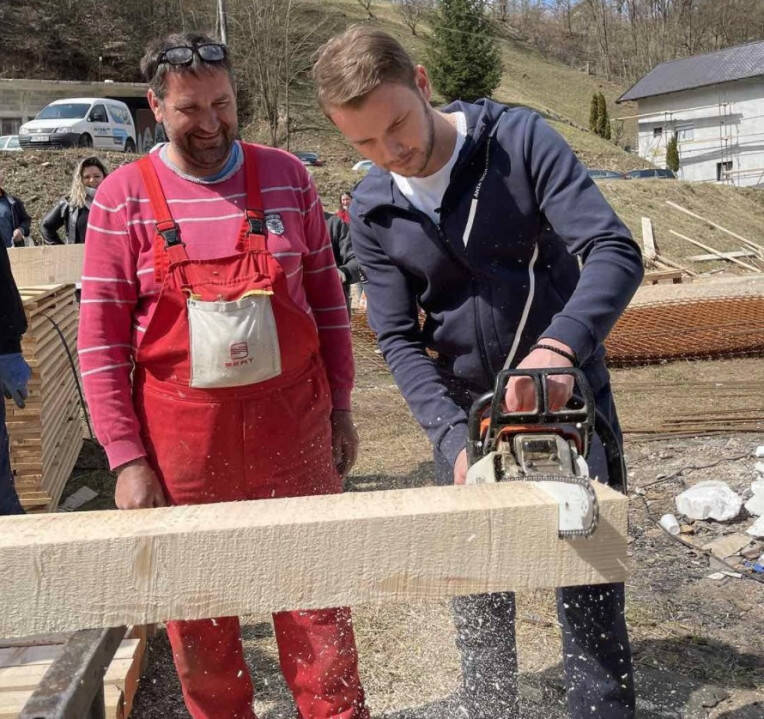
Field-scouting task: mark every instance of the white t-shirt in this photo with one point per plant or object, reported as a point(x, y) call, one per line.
point(426, 193)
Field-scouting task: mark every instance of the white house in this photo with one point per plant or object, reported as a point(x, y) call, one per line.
point(714, 103)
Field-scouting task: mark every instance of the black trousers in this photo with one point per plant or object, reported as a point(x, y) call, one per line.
point(595, 643)
point(9, 501)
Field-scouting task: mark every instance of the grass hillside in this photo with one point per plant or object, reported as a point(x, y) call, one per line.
point(560, 93)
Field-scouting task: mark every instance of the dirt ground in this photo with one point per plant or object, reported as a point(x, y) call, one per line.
point(697, 642)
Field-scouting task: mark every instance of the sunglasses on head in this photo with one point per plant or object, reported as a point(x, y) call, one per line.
point(183, 54)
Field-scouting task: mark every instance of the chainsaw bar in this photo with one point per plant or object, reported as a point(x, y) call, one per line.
point(585, 483)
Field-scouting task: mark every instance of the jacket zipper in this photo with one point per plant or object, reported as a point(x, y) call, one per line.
point(475, 294)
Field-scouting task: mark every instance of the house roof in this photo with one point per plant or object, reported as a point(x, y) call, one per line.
point(732, 63)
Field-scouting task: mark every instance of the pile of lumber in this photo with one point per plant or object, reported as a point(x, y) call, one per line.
point(24, 662)
point(46, 436)
point(49, 264)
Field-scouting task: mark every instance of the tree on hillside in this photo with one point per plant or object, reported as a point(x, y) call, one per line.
point(412, 11)
point(603, 121)
point(594, 112)
point(366, 5)
point(463, 59)
point(672, 154)
point(275, 51)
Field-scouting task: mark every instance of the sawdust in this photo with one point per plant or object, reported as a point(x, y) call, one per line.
point(695, 641)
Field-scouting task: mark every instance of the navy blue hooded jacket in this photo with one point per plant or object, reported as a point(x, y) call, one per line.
point(529, 208)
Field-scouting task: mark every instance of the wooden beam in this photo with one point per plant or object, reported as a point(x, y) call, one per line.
point(650, 251)
point(12, 702)
point(62, 572)
point(727, 255)
point(47, 265)
point(671, 263)
point(749, 243)
point(715, 251)
point(654, 277)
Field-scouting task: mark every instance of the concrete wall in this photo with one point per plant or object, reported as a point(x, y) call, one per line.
point(720, 130)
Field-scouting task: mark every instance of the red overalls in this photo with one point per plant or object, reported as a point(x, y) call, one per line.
point(269, 438)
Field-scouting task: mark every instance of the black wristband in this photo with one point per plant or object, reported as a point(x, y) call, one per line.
point(567, 355)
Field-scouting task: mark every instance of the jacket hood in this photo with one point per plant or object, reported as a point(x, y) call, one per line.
point(378, 187)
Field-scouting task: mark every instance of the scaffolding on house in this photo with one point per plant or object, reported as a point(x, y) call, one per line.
point(730, 140)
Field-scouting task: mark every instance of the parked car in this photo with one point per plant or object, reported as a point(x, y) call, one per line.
point(654, 173)
point(309, 158)
point(605, 175)
point(9, 143)
point(363, 166)
point(81, 122)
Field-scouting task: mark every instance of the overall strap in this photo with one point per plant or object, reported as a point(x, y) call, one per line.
point(167, 242)
point(253, 228)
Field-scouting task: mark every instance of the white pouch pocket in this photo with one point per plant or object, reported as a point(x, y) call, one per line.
point(233, 343)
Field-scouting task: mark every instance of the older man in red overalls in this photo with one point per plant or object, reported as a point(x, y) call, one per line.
point(215, 352)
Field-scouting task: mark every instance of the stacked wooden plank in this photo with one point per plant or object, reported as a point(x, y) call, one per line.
point(23, 664)
point(44, 265)
point(46, 435)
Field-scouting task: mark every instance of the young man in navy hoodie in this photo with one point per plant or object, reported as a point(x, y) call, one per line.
point(479, 214)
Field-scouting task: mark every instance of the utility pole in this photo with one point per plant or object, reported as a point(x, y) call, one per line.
point(222, 25)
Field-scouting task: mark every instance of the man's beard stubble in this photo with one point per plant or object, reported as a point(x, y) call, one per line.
point(430, 143)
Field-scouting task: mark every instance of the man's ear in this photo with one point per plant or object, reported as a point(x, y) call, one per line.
point(422, 81)
point(156, 105)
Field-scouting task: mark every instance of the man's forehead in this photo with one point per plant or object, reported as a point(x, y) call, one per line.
point(190, 83)
point(376, 112)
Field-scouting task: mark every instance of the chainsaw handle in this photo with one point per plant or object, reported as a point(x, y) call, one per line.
point(474, 426)
point(541, 415)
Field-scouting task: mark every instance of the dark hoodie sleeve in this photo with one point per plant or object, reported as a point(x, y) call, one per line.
point(13, 322)
point(25, 221)
point(348, 261)
point(582, 218)
point(393, 315)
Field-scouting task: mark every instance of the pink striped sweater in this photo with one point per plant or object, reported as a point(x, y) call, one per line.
point(119, 292)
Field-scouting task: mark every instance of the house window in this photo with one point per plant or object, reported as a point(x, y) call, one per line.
point(685, 132)
point(657, 131)
point(722, 168)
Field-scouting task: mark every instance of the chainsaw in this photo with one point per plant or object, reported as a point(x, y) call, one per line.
point(545, 448)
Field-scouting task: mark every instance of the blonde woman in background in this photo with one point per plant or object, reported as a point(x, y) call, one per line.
point(72, 212)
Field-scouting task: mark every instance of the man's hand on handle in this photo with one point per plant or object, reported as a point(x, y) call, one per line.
point(138, 486)
point(14, 376)
point(344, 441)
point(520, 395)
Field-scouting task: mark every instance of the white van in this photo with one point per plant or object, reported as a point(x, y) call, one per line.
point(81, 122)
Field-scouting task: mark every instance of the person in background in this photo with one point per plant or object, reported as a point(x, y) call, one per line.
point(72, 212)
point(14, 220)
point(344, 257)
point(14, 374)
point(344, 212)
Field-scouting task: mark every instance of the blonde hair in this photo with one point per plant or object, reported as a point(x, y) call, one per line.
point(352, 64)
point(77, 193)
